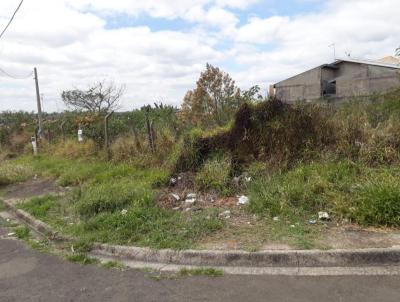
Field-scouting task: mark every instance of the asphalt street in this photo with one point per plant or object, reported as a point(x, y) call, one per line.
point(28, 275)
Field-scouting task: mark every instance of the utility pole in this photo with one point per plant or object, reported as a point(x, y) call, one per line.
point(39, 105)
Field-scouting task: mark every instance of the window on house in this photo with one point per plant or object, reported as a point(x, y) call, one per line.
point(329, 88)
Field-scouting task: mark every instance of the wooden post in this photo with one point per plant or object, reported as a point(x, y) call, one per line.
point(149, 132)
point(106, 138)
point(62, 130)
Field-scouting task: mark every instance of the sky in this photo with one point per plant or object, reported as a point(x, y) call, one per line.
point(158, 48)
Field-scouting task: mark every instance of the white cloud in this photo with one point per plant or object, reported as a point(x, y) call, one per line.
point(366, 29)
point(70, 44)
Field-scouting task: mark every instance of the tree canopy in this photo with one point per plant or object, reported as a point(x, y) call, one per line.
point(215, 99)
point(102, 96)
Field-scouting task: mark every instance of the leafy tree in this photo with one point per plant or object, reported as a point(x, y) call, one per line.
point(214, 99)
point(99, 98)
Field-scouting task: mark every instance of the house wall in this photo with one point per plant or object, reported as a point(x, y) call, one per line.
point(352, 80)
point(305, 86)
point(361, 80)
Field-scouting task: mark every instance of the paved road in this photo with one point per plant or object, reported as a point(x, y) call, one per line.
point(27, 275)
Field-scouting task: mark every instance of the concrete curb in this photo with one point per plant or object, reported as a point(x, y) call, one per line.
point(38, 225)
point(258, 261)
point(292, 258)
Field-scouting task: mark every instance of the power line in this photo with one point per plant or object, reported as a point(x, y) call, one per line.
point(11, 19)
point(16, 77)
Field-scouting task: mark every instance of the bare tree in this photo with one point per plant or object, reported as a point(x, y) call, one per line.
point(102, 96)
point(398, 51)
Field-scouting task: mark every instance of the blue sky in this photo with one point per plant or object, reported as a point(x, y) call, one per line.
point(158, 48)
point(262, 9)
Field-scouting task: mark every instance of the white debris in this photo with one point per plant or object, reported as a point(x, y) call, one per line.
point(276, 218)
point(176, 196)
point(179, 178)
point(191, 198)
point(176, 209)
point(292, 226)
point(247, 178)
point(323, 216)
point(188, 210)
point(35, 177)
point(312, 221)
point(124, 212)
point(10, 234)
point(172, 181)
point(243, 200)
point(225, 214)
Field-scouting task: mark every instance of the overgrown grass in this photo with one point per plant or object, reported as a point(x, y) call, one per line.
point(113, 196)
point(40, 206)
point(115, 204)
point(12, 173)
point(344, 189)
point(82, 171)
point(215, 175)
point(148, 225)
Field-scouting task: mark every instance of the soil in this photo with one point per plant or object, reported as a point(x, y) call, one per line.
point(33, 188)
point(354, 236)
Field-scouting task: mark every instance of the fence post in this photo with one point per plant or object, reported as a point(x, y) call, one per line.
point(62, 130)
point(106, 139)
point(150, 132)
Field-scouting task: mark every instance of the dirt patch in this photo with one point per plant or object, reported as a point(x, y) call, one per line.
point(353, 236)
point(33, 188)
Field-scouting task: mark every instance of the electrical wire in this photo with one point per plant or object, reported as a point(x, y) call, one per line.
point(16, 77)
point(11, 19)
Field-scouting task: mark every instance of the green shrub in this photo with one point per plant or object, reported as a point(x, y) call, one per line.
point(215, 175)
point(191, 156)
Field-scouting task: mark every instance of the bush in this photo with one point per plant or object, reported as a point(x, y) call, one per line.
point(270, 131)
point(215, 175)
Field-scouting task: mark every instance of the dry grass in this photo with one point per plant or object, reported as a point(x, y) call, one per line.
point(72, 149)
